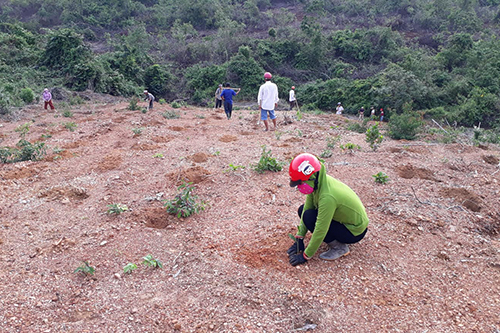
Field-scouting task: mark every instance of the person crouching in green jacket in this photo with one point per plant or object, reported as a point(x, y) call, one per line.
point(332, 212)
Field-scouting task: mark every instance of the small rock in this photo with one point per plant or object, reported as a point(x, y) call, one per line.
point(134, 310)
point(118, 276)
point(103, 243)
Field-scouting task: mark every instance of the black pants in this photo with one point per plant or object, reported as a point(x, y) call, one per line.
point(150, 103)
point(337, 230)
point(228, 109)
point(218, 103)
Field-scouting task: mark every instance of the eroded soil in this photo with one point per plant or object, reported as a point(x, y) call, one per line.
point(429, 263)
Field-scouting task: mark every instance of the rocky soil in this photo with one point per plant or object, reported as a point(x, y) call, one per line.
point(430, 261)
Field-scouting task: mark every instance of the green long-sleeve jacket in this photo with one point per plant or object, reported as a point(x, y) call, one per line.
point(334, 200)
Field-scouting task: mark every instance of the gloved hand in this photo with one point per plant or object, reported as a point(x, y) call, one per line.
point(297, 259)
point(297, 247)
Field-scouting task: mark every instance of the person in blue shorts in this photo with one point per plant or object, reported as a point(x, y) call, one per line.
point(227, 96)
point(268, 100)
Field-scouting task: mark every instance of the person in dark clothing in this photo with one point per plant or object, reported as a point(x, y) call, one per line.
point(227, 97)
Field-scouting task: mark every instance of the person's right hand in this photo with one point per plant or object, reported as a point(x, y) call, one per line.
point(297, 247)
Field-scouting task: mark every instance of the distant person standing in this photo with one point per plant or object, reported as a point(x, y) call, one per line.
point(292, 98)
point(218, 99)
point(47, 99)
point(149, 97)
point(381, 114)
point(227, 95)
point(372, 112)
point(361, 113)
point(268, 100)
point(340, 108)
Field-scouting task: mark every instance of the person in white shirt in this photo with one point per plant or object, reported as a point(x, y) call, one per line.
point(292, 98)
point(268, 100)
point(340, 108)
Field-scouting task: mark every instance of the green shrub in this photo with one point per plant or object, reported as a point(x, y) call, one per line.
point(267, 162)
point(25, 151)
point(150, 261)
point(373, 137)
point(71, 126)
point(67, 114)
point(349, 147)
point(184, 203)
point(116, 208)
point(356, 127)
point(85, 269)
point(381, 178)
point(171, 115)
point(405, 126)
point(132, 105)
point(27, 95)
point(326, 153)
point(175, 105)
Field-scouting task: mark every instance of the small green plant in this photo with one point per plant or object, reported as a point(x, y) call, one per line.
point(45, 136)
point(200, 116)
point(267, 162)
point(326, 153)
point(171, 115)
point(116, 208)
point(405, 126)
point(356, 127)
point(184, 203)
point(67, 114)
point(144, 110)
point(350, 147)
point(278, 135)
point(128, 268)
point(85, 269)
point(24, 151)
point(175, 105)
point(132, 106)
point(150, 261)
point(23, 129)
point(331, 142)
point(299, 115)
point(162, 101)
point(76, 100)
point(373, 137)
point(299, 133)
point(137, 131)
point(158, 155)
point(71, 126)
point(216, 153)
point(233, 167)
point(57, 150)
point(381, 178)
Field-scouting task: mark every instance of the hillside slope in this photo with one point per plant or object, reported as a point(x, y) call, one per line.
point(430, 261)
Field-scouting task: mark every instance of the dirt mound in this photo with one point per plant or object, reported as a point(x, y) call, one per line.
point(463, 197)
point(64, 192)
point(193, 175)
point(199, 157)
point(246, 133)
point(156, 217)
point(162, 139)
point(19, 173)
point(228, 138)
point(490, 159)
point(145, 146)
point(176, 128)
point(408, 171)
point(267, 253)
point(110, 162)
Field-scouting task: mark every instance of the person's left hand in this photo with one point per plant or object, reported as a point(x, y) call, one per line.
point(297, 259)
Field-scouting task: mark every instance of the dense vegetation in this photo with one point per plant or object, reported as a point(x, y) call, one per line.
point(441, 57)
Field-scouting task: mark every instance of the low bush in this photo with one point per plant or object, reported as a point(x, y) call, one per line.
point(405, 126)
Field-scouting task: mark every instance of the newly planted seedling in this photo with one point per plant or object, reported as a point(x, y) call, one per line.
point(381, 178)
point(267, 162)
point(128, 268)
point(137, 131)
point(170, 115)
point(71, 126)
point(373, 137)
point(23, 129)
point(85, 269)
point(350, 147)
point(158, 155)
point(184, 203)
point(233, 167)
point(67, 114)
point(116, 208)
point(150, 261)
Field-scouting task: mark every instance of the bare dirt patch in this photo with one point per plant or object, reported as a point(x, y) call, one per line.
point(228, 138)
point(64, 192)
point(176, 128)
point(25, 172)
point(156, 217)
point(199, 157)
point(162, 139)
point(409, 171)
point(491, 159)
point(110, 162)
point(145, 146)
point(463, 197)
point(193, 175)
